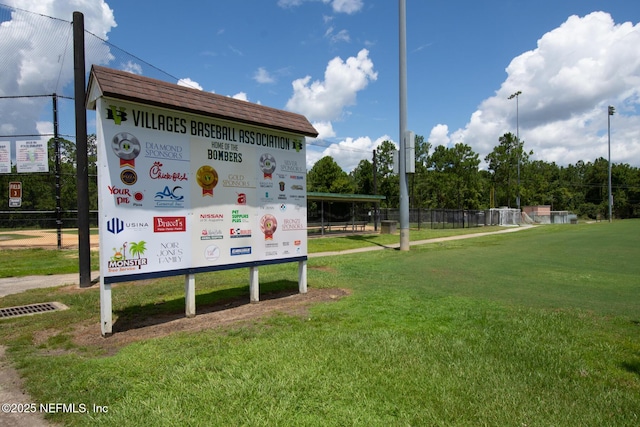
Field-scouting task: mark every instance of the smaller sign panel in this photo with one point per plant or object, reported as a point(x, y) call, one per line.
point(31, 156)
point(5, 157)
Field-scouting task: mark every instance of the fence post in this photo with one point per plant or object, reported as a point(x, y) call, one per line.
point(84, 248)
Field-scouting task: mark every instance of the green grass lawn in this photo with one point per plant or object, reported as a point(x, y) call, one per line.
point(535, 328)
point(19, 262)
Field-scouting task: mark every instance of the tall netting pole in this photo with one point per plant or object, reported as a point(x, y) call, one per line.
point(84, 248)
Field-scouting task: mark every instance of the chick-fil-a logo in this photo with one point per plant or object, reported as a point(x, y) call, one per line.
point(155, 172)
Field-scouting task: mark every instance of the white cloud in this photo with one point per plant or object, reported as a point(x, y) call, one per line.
point(325, 130)
point(348, 152)
point(187, 82)
point(346, 6)
point(241, 96)
point(340, 36)
point(326, 100)
point(567, 82)
point(132, 67)
point(289, 3)
point(262, 76)
point(37, 54)
point(338, 6)
point(439, 135)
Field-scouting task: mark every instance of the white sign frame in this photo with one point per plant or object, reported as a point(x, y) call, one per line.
point(181, 194)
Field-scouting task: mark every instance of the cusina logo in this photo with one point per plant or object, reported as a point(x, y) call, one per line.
point(115, 226)
point(117, 114)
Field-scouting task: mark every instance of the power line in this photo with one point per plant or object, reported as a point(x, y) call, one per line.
point(34, 96)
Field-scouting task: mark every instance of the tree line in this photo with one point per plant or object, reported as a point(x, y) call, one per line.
point(451, 178)
point(445, 178)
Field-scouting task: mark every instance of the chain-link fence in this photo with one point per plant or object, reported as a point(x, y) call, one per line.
point(44, 229)
point(454, 218)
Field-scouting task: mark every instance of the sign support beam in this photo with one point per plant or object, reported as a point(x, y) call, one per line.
point(190, 295)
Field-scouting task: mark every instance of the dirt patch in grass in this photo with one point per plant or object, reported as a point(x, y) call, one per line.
point(238, 311)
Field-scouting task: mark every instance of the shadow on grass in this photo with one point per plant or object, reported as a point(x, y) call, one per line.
point(365, 238)
point(632, 366)
point(157, 313)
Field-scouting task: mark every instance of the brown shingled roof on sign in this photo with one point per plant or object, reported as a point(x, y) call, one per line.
point(131, 87)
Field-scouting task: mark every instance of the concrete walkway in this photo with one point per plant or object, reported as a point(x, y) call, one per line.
point(14, 285)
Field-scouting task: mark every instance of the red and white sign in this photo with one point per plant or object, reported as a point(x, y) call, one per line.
point(15, 194)
point(169, 224)
point(15, 190)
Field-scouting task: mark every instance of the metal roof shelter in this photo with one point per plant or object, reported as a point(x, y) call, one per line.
point(344, 198)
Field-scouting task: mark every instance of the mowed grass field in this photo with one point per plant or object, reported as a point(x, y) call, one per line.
point(535, 328)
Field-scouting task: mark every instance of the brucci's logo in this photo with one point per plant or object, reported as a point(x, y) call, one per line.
point(119, 258)
point(117, 114)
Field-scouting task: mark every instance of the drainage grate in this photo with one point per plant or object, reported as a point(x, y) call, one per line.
point(26, 310)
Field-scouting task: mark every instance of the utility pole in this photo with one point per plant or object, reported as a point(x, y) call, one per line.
point(611, 112)
point(519, 152)
point(375, 191)
point(402, 166)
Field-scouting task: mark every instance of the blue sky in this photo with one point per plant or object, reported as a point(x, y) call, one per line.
point(336, 61)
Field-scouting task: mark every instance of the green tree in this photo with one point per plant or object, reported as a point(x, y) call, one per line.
point(503, 164)
point(454, 177)
point(388, 182)
point(326, 176)
point(596, 179)
point(418, 188)
point(362, 177)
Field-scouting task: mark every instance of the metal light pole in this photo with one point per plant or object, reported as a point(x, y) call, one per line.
point(516, 95)
point(404, 190)
point(610, 113)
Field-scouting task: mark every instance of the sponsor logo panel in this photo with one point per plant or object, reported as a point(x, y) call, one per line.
point(212, 253)
point(169, 197)
point(211, 234)
point(246, 250)
point(128, 257)
point(170, 253)
point(116, 225)
point(236, 233)
point(169, 224)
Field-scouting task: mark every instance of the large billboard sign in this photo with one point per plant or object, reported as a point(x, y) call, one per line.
point(182, 193)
